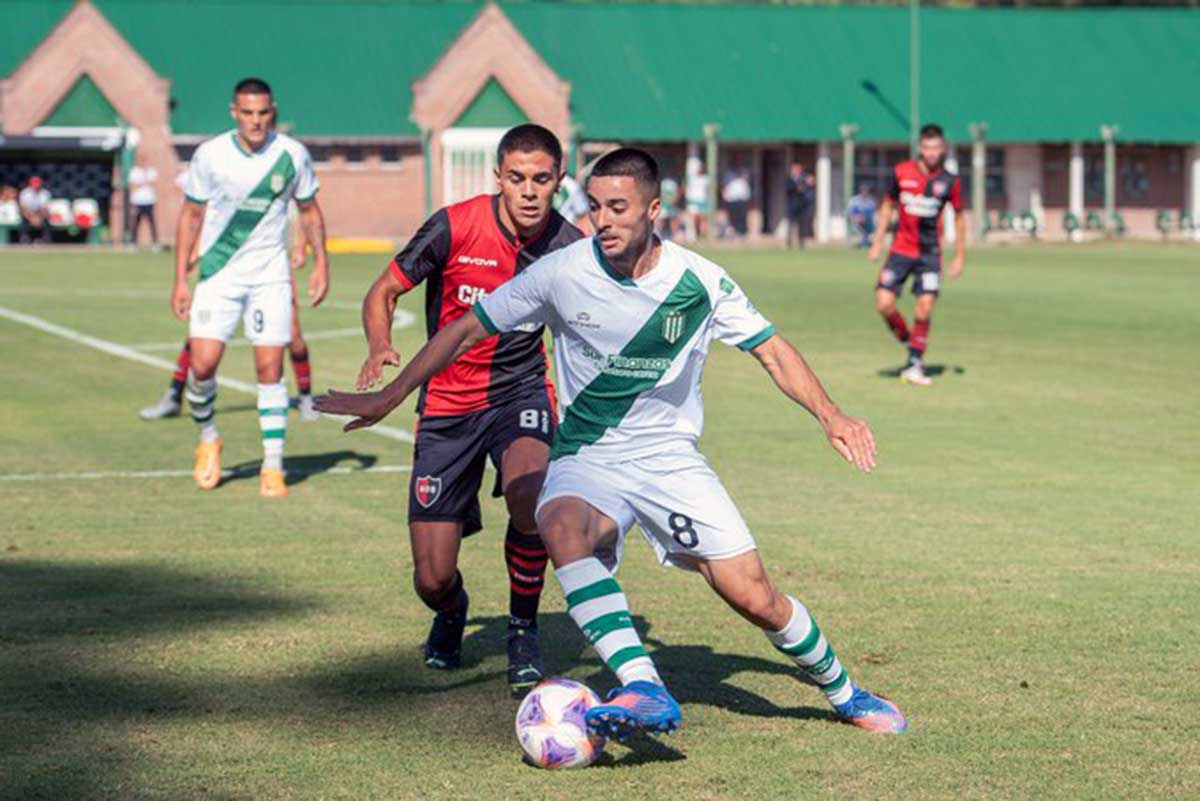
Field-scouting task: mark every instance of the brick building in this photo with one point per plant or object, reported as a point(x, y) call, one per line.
point(401, 102)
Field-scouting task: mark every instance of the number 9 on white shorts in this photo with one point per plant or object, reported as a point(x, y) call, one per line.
point(264, 309)
point(675, 498)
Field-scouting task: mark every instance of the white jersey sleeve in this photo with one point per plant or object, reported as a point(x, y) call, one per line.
point(306, 177)
point(198, 185)
point(523, 301)
point(735, 319)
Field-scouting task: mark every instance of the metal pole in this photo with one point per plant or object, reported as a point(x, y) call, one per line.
point(914, 74)
point(848, 131)
point(979, 177)
point(1109, 134)
point(711, 132)
point(573, 149)
point(426, 150)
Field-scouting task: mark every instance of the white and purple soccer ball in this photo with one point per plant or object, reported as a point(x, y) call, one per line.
point(551, 726)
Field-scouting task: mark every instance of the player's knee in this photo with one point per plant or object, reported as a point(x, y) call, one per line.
point(269, 372)
point(760, 603)
point(521, 499)
point(884, 305)
point(433, 586)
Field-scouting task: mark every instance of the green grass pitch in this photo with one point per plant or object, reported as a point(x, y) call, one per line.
point(1022, 573)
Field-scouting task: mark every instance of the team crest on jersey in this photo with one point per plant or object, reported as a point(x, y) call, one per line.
point(940, 187)
point(277, 182)
point(427, 488)
point(672, 326)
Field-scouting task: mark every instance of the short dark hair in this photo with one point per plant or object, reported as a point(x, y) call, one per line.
point(931, 131)
point(530, 138)
point(637, 164)
point(252, 86)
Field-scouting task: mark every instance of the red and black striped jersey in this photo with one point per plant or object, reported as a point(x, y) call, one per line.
point(921, 196)
point(462, 253)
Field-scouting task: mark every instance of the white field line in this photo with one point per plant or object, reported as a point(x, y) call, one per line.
point(402, 319)
point(147, 474)
point(128, 353)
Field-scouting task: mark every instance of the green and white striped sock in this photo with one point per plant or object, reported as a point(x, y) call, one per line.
point(802, 640)
point(598, 606)
point(202, 399)
point(272, 419)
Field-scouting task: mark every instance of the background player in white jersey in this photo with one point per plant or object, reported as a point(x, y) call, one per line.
point(238, 188)
point(632, 319)
point(171, 402)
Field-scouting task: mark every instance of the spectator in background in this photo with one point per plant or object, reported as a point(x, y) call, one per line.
point(35, 212)
point(572, 203)
point(695, 193)
point(799, 204)
point(668, 218)
point(10, 212)
point(737, 193)
point(861, 214)
point(142, 197)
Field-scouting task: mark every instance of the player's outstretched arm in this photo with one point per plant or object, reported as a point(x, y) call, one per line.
point(312, 221)
point(849, 436)
point(187, 233)
point(369, 408)
point(881, 228)
point(378, 310)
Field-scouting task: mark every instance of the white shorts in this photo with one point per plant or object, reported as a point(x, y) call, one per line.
point(264, 309)
point(675, 498)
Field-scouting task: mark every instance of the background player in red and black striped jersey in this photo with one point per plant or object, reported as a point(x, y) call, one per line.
point(921, 188)
point(495, 401)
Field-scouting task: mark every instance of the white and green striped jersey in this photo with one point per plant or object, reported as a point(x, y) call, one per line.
point(629, 353)
point(246, 196)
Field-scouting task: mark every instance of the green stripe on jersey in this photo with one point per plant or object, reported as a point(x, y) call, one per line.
point(249, 214)
point(604, 402)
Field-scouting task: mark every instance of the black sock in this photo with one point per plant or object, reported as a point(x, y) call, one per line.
point(525, 556)
point(177, 390)
point(914, 356)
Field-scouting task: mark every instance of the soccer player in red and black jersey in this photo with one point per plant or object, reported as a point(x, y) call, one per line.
point(495, 401)
point(920, 188)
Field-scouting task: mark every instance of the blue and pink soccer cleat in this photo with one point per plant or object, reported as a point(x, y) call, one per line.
point(872, 712)
point(640, 706)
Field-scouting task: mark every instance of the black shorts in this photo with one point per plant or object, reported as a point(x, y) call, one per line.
point(450, 453)
point(925, 269)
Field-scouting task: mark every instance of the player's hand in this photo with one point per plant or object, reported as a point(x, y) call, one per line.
point(318, 284)
point(181, 300)
point(367, 408)
point(371, 372)
point(873, 253)
point(298, 256)
point(852, 438)
point(956, 267)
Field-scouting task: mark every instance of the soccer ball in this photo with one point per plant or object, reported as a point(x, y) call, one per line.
point(551, 728)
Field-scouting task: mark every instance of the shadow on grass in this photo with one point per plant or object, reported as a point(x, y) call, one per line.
point(62, 629)
point(696, 674)
point(931, 370)
point(299, 468)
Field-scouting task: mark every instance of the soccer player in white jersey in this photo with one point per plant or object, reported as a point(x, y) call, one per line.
point(632, 319)
point(237, 192)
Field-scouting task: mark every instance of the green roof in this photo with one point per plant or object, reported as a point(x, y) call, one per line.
point(661, 71)
point(84, 106)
